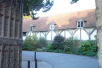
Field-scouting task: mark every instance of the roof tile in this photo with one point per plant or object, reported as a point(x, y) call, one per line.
point(63, 21)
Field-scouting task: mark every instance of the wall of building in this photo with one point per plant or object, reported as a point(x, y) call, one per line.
point(80, 34)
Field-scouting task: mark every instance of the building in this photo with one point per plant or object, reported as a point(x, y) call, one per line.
point(79, 24)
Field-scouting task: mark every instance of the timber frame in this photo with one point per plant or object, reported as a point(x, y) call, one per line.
point(10, 33)
point(71, 31)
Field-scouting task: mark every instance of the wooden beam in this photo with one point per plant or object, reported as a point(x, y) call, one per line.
point(11, 41)
point(6, 18)
point(65, 33)
point(21, 17)
point(9, 20)
point(1, 55)
point(14, 23)
point(2, 18)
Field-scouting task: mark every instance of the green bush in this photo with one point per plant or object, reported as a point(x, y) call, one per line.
point(30, 43)
point(58, 51)
point(88, 48)
point(49, 47)
point(70, 45)
point(42, 42)
point(58, 42)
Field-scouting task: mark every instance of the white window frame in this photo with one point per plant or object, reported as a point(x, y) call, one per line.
point(51, 26)
point(79, 24)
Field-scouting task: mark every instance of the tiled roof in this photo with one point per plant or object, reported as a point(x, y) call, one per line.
point(63, 21)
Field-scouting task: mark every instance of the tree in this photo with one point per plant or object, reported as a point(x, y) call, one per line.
point(57, 43)
point(36, 5)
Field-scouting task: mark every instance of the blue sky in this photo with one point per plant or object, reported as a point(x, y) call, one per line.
point(64, 6)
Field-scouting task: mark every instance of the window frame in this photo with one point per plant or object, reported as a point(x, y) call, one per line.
point(80, 24)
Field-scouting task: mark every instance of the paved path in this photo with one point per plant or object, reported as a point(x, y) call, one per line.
point(59, 60)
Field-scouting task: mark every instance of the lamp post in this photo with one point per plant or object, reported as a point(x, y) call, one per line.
point(51, 27)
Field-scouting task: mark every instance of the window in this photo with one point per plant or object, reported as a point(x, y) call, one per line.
point(31, 27)
point(80, 24)
point(52, 27)
point(24, 33)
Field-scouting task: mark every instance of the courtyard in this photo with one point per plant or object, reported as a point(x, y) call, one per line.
point(59, 60)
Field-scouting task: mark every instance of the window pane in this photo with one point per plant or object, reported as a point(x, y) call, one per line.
point(81, 23)
point(24, 33)
point(78, 24)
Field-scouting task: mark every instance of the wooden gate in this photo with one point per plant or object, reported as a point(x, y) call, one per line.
point(10, 33)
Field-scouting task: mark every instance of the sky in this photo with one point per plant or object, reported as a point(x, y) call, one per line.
point(64, 6)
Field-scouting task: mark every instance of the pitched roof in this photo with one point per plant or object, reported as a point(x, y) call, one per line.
point(63, 21)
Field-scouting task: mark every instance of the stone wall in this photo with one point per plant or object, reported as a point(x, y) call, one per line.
point(99, 28)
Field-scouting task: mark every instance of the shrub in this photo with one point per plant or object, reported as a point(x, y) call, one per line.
point(88, 48)
point(30, 43)
point(49, 47)
point(58, 51)
point(70, 45)
point(58, 41)
point(42, 42)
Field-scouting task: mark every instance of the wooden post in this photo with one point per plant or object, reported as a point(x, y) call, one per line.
point(40, 35)
point(9, 16)
point(2, 20)
point(65, 33)
point(14, 17)
point(1, 55)
point(51, 36)
point(80, 36)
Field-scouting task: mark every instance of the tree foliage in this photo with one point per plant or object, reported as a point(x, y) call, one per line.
point(39, 4)
point(74, 1)
point(36, 5)
point(57, 43)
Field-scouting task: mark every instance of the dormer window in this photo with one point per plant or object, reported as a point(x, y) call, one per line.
point(31, 27)
point(80, 23)
point(52, 26)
